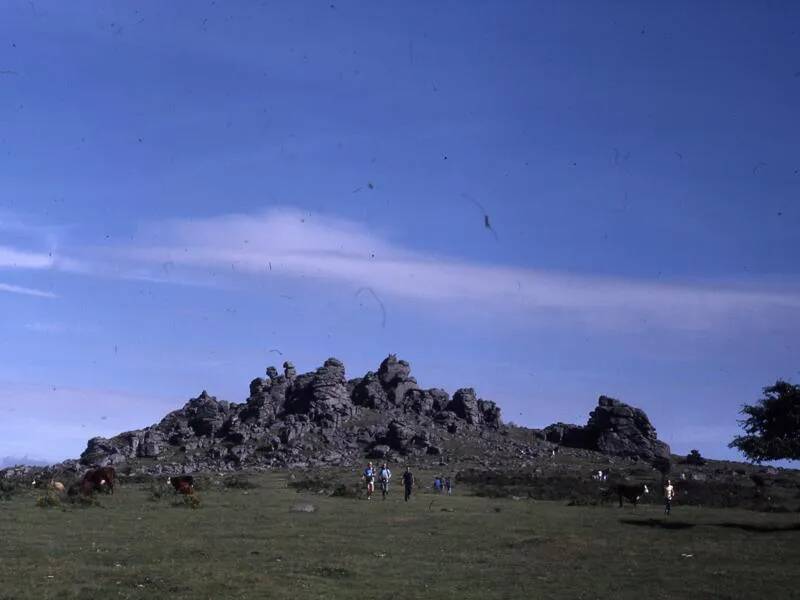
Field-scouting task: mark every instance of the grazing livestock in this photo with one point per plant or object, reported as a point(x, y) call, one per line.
point(183, 484)
point(83, 488)
point(98, 479)
point(56, 486)
point(631, 493)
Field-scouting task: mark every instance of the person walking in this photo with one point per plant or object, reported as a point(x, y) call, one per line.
point(384, 475)
point(448, 486)
point(369, 479)
point(669, 494)
point(408, 483)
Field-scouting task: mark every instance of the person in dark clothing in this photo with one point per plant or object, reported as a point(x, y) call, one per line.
point(408, 482)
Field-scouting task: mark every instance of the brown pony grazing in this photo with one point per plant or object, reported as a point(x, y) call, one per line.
point(183, 484)
point(96, 479)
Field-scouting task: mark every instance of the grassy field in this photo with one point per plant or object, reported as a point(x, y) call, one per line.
point(248, 544)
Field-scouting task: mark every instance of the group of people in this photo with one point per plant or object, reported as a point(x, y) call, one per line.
point(442, 485)
point(384, 475)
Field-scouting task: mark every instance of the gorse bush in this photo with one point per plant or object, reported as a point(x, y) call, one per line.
point(48, 500)
point(156, 492)
point(7, 490)
point(191, 501)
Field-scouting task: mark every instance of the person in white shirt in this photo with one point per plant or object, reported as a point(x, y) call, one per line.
point(384, 475)
point(369, 479)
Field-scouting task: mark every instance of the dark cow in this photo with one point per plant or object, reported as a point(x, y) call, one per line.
point(631, 493)
point(183, 484)
point(98, 479)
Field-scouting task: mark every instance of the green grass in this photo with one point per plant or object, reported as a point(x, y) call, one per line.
point(245, 543)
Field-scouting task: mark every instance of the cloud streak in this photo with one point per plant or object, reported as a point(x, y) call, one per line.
point(293, 244)
point(290, 244)
point(17, 289)
point(11, 258)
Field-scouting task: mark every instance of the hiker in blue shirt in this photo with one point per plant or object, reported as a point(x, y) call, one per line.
point(369, 478)
point(437, 484)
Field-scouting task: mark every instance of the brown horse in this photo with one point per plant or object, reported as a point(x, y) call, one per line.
point(183, 484)
point(95, 480)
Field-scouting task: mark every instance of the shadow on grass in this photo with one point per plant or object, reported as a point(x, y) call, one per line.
point(761, 528)
point(667, 524)
point(660, 523)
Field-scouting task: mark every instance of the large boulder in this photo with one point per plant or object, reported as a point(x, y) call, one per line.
point(102, 452)
point(615, 429)
point(369, 392)
point(426, 402)
point(466, 406)
point(293, 429)
point(490, 413)
point(623, 430)
point(266, 400)
point(205, 415)
point(395, 378)
point(400, 436)
point(289, 371)
point(151, 445)
point(322, 395)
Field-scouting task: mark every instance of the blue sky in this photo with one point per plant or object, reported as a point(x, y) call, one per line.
point(188, 189)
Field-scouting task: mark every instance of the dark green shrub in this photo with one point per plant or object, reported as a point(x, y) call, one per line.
point(48, 500)
point(190, 501)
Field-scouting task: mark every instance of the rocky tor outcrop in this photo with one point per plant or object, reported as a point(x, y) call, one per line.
point(321, 417)
point(615, 429)
point(316, 417)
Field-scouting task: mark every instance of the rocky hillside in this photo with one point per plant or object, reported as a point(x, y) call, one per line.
point(318, 420)
point(322, 418)
point(312, 418)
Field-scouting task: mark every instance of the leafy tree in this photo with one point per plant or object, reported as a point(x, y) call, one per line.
point(772, 426)
point(695, 458)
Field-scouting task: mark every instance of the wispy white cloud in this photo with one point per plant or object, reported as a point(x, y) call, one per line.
point(17, 289)
point(20, 259)
point(294, 244)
